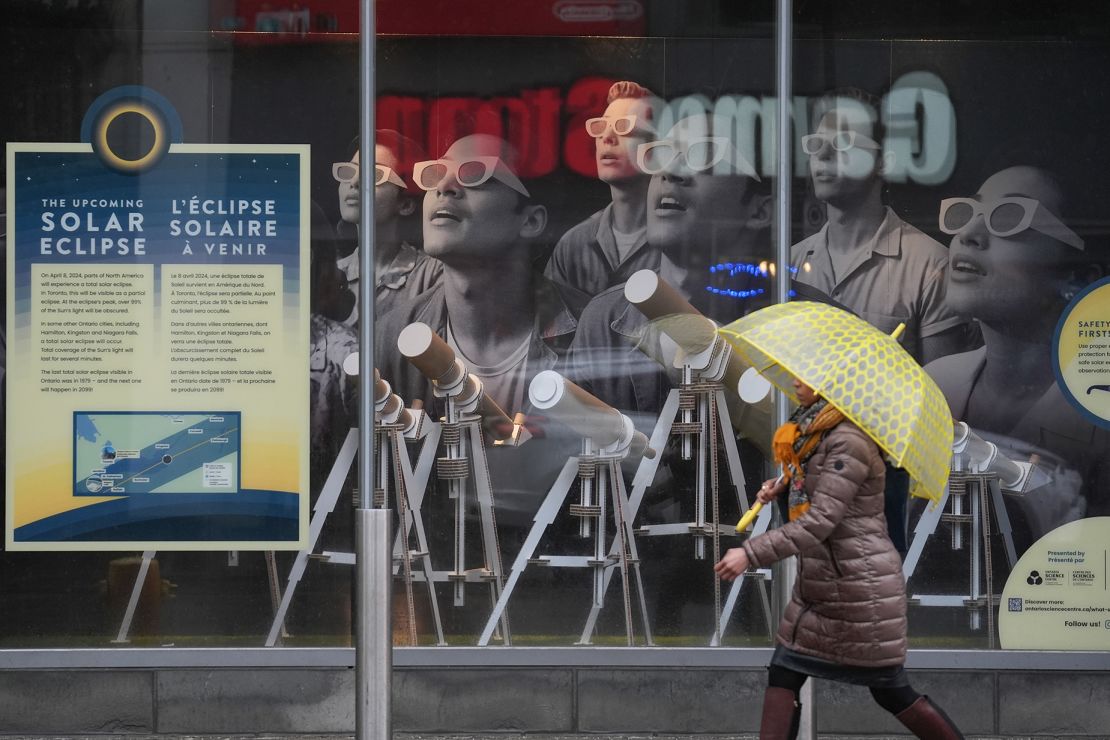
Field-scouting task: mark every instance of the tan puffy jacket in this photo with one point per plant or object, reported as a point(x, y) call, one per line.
point(849, 601)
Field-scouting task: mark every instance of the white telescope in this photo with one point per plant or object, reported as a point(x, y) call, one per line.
point(702, 350)
point(389, 408)
point(610, 431)
point(972, 453)
point(694, 334)
point(437, 362)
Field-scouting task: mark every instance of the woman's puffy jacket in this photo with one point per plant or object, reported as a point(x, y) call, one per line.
point(849, 601)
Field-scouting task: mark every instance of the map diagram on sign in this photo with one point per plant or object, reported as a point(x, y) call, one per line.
point(123, 453)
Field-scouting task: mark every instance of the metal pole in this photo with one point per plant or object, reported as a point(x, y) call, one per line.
point(373, 551)
point(784, 89)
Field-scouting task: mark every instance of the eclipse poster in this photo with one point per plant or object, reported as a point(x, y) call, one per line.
point(157, 325)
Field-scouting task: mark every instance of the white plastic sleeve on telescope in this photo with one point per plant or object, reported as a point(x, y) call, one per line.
point(672, 313)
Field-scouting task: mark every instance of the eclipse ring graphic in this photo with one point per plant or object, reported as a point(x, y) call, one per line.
point(113, 113)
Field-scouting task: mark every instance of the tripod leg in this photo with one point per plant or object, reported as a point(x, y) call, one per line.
point(543, 519)
point(926, 526)
point(275, 586)
point(762, 521)
point(620, 543)
point(490, 546)
point(329, 494)
point(133, 602)
point(635, 555)
point(393, 445)
point(645, 474)
point(415, 499)
point(1004, 526)
point(732, 453)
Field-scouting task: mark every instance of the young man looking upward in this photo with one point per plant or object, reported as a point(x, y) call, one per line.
point(506, 322)
point(865, 257)
point(401, 270)
point(610, 245)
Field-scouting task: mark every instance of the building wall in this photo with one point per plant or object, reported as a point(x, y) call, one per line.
point(534, 701)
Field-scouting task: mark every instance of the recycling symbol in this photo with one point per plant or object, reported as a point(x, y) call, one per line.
point(1034, 578)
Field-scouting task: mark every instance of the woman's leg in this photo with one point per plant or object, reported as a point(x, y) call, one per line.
point(781, 709)
point(918, 713)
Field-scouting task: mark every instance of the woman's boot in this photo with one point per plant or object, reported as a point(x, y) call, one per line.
point(781, 714)
point(927, 721)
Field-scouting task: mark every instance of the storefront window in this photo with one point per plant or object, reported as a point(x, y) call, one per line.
point(550, 180)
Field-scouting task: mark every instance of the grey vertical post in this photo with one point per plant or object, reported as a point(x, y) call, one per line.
point(374, 649)
point(373, 551)
point(784, 130)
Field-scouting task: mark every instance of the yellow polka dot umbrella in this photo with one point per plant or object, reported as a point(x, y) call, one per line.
point(863, 372)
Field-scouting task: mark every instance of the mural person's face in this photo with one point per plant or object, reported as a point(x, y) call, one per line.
point(615, 153)
point(1006, 279)
point(389, 198)
point(691, 210)
point(349, 203)
point(471, 222)
point(843, 162)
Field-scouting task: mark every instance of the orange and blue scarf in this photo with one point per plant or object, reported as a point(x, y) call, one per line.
point(796, 441)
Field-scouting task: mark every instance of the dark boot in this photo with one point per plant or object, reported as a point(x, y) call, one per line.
point(781, 714)
point(928, 721)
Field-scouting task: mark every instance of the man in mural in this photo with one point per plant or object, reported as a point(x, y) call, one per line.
point(1014, 265)
point(704, 204)
point(865, 256)
point(610, 245)
point(503, 320)
point(401, 269)
point(868, 259)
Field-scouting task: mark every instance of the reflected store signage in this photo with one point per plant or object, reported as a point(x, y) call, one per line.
point(156, 325)
point(547, 125)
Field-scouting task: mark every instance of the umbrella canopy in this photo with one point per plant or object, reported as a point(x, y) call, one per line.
point(863, 372)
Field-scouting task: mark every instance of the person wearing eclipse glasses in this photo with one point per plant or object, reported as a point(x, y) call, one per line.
point(504, 321)
point(1014, 265)
point(865, 256)
point(610, 245)
point(401, 270)
point(502, 318)
point(868, 259)
point(704, 202)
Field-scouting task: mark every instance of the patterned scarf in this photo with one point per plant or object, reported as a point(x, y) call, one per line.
point(796, 441)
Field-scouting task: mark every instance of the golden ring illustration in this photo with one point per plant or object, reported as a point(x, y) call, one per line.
point(108, 117)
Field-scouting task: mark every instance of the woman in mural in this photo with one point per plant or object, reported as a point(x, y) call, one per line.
point(846, 620)
point(1014, 265)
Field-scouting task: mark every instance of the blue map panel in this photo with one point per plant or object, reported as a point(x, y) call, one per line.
point(118, 453)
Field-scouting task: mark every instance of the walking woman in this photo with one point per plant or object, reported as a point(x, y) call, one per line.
point(846, 620)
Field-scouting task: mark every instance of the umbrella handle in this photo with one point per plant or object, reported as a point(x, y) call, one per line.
point(748, 518)
point(898, 331)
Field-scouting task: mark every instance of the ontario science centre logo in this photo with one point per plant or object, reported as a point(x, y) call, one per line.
point(1034, 578)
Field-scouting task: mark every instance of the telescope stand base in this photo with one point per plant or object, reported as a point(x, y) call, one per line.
point(710, 398)
point(983, 493)
point(623, 553)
